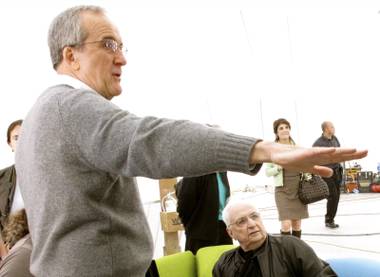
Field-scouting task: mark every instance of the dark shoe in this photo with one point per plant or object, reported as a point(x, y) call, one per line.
point(296, 233)
point(331, 225)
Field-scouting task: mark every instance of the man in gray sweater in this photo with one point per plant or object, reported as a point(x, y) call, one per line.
point(78, 155)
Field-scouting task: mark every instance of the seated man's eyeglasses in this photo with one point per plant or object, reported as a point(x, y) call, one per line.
point(242, 221)
point(108, 44)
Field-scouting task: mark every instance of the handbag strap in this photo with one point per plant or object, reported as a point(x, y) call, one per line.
point(306, 176)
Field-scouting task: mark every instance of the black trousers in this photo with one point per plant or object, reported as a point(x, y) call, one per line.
point(221, 237)
point(333, 183)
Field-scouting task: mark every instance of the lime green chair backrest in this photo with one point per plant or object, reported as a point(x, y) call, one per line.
point(206, 258)
point(177, 265)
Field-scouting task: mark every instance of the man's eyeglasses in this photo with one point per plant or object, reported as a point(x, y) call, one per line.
point(242, 221)
point(109, 44)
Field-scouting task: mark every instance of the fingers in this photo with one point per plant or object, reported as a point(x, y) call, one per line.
point(313, 159)
point(357, 154)
point(323, 171)
point(345, 150)
point(337, 151)
point(334, 151)
point(339, 155)
point(336, 156)
point(323, 150)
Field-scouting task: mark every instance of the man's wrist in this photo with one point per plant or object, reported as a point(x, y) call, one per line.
point(261, 152)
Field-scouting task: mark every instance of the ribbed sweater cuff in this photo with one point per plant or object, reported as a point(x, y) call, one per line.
point(234, 153)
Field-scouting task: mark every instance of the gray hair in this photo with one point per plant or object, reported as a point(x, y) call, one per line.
point(66, 30)
point(231, 202)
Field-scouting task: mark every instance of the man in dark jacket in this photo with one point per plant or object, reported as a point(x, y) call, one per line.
point(328, 139)
point(8, 175)
point(201, 201)
point(261, 254)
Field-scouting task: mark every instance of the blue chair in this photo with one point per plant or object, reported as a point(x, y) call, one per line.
point(355, 267)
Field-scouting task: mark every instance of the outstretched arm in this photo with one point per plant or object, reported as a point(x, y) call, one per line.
point(301, 159)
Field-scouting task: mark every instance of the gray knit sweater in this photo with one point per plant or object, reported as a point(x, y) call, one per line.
point(76, 161)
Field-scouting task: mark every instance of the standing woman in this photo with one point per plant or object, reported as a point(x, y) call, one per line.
point(290, 209)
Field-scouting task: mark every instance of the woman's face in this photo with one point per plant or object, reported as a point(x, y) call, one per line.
point(283, 131)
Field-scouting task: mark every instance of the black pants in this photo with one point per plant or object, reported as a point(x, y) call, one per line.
point(334, 183)
point(221, 237)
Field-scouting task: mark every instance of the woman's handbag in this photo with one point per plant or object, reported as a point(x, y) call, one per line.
point(312, 188)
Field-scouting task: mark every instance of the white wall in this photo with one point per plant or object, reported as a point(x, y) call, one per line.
point(199, 62)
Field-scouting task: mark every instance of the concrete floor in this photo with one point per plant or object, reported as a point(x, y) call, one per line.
point(358, 217)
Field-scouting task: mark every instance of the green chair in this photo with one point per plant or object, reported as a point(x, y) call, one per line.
point(206, 258)
point(185, 264)
point(177, 265)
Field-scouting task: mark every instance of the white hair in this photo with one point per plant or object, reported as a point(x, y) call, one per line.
point(232, 202)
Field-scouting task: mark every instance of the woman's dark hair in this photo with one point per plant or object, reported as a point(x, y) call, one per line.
point(13, 125)
point(277, 123)
point(16, 227)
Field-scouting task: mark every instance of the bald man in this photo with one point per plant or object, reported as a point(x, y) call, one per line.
point(261, 254)
point(328, 139)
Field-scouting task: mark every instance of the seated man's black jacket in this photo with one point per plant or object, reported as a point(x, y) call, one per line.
point(281, 256)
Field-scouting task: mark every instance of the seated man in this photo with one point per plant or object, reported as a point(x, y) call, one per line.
point(261, 254)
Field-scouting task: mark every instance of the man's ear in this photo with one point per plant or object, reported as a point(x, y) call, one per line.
point(69, 58)
point(229, 231)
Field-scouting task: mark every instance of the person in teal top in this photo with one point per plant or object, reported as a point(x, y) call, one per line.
point(201, 201)
point(222, 195)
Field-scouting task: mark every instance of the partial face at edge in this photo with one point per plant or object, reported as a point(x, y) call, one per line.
point(14, 137)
